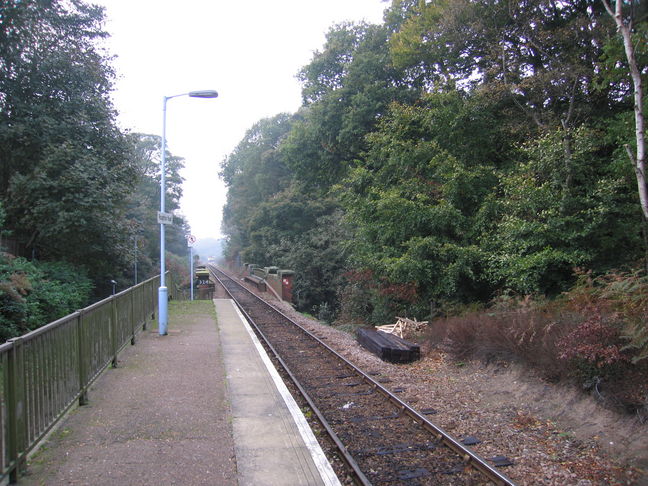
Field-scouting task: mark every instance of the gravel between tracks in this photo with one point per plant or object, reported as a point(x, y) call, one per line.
point(554, 435)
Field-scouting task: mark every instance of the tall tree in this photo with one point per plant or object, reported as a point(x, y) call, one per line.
point(144, 202)
point(414, 200)
point(64, 168)
point(347, 87)
point(634, 40)
point(253, 173)
point(541, 53)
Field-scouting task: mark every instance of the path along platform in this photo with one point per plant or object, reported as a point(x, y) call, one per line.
point(200, 406)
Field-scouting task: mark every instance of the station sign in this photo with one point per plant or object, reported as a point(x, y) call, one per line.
point(164, 218)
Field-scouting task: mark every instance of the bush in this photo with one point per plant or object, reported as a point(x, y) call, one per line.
point(33, 294)
point(594, 334)
point(621, 298)
point(526, 334)
point(595, 340)
point(325, 313)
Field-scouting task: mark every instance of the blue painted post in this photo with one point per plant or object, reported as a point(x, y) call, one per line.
point(163, 293)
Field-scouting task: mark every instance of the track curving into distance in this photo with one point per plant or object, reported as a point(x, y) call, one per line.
point(382, 439)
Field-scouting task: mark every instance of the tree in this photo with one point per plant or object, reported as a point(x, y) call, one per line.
point(63, 162)
point(253, 173)
point(625, 27)
point(270, 219)
point(536, 236)
point(415, 198)
point(541, 56)
point(347, 88)
point(144, 202)
point(477, 155)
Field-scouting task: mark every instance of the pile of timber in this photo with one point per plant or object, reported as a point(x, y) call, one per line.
point(388, 347)
point(403, 326)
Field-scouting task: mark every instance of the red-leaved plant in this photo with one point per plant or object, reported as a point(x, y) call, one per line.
point(596, 340)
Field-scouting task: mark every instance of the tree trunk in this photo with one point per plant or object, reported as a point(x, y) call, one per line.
point(638, 159)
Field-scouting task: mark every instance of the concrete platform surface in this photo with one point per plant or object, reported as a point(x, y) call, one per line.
point(273, 442)
point(196, 407)
point(160, 417)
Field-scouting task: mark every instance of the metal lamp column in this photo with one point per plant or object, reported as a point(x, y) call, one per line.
point(163, 294)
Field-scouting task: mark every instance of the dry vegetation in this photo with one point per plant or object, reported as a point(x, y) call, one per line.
point(593, 336)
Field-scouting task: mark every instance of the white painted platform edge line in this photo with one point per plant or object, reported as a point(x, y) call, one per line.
point(319, 458)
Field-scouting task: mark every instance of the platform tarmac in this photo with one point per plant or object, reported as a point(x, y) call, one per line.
point(200, 406)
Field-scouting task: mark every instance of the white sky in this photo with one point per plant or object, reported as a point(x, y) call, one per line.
point(249, 51)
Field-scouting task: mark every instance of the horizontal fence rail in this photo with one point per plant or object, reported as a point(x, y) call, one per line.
point(46, 371)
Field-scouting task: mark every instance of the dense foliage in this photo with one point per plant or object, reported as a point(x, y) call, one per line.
point(33, 294)
point(77, 195)
point(459, 152)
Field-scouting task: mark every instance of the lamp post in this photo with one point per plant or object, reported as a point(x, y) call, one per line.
point(163, 291)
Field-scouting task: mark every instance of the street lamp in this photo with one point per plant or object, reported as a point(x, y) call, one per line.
point(162, 291)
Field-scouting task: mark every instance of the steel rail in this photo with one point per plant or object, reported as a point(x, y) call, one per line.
point(468, 456)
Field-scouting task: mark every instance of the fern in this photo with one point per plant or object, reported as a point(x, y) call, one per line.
point(637, 335)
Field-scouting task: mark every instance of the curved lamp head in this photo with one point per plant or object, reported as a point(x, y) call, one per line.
point(207, 93)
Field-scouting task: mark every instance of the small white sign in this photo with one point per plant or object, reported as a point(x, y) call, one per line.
point(165, 218)
point(191, 239)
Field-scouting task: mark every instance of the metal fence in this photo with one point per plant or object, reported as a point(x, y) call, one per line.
point(46, 371)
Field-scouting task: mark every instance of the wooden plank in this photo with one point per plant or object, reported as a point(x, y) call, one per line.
point(388, 347)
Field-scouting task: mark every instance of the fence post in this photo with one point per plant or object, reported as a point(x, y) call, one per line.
point(143, 300)
point(16, 407)
point(132, 315)
point(153, 301)
point(82, 353)
point(113, 330)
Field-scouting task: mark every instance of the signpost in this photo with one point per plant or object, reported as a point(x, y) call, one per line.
point(165, 218)
point(191, 239)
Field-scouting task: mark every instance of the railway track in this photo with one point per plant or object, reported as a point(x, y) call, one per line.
point(382, 439)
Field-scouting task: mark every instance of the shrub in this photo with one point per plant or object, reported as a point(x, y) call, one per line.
point(595, 340)
point(325, 312)
point(527, 334)
point(33, 294)
point(178, 267)
point(595, 334)
point(620, 301)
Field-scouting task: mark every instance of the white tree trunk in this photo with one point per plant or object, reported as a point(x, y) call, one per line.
point(638, 159)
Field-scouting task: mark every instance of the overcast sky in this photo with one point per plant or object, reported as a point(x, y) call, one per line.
point(249, 51)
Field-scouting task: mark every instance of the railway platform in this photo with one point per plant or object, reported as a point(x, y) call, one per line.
point(201, 406)
point(273, 442)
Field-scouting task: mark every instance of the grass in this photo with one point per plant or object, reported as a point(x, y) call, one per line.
point(181, 308)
